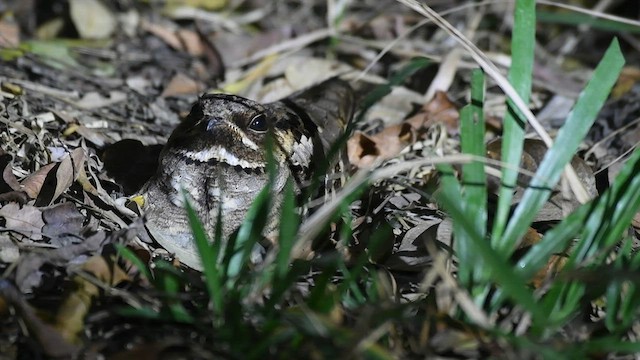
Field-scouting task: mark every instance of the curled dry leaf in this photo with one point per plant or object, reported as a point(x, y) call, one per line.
point(63, 175)
point(440, 110)
point(364, 150)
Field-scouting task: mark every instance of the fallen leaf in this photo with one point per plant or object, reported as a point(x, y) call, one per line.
point(191, 42)
point(181, 84)
point(26, 220)
point(411, 254)
point(69, 320)
point(95, 100)
point(92, 19)
point(62, 219)
point(163, 33)
point(9, 251)
point(64, 174)
point(10, 33)
point(439, 110)
point(364, 150)
point(627, 79)
point(28, 272)
point(33, 183)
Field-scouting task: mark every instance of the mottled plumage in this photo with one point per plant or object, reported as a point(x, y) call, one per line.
point(218, 155)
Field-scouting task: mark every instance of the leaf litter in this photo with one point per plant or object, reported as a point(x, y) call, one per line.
point(83, 121)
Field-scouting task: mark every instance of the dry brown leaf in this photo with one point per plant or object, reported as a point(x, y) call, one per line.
point(627, 79)
point(191, 42)
point(33, 183)
point(10, 33)
point(559, 204)
point(163, 33)
point(66, 172)
point(26, 220)
point(439, 110)
point(181, 84)
point(553, 267)
point(364, 150)
point(70, 316)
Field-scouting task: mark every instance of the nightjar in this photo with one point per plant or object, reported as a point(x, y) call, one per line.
point(218, 155)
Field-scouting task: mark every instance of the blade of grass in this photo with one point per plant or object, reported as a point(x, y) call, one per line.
point(520, 76)
point(208, 257)
point(555, 240)
point(569, 137)
point(472, 130)
point(584, 19)
point(249, 233)
point(615, 219)
point(255, 220)
point(168, 279)
point(498, 268)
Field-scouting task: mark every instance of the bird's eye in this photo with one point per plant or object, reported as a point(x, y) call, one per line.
point(258, 123)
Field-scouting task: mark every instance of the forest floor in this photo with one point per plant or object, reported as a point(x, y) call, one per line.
point(90, 91)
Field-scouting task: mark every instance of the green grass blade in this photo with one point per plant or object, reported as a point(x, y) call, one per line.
point(522, 55)
point(605, 230)
point(569, 137)
point(168, 278)
point(623, 197)
point(255, 220)
point(249, 233)
point(473, 176)
point(511, 283)
point(208, 257)
point(573, 18)
point(289, 223)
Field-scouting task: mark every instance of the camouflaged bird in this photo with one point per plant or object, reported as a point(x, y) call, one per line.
point(218, 155)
